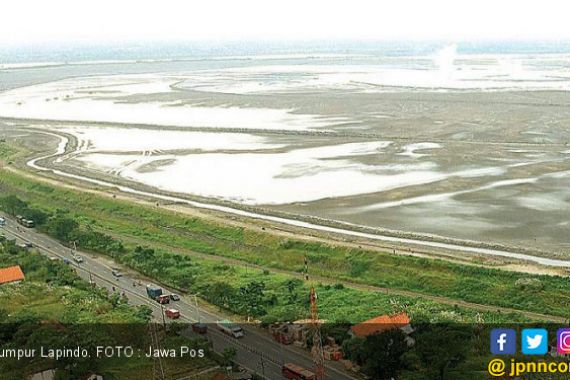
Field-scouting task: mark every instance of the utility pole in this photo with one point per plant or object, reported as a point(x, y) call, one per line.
point(163, 319)
point(157, 367)
point(197, 308)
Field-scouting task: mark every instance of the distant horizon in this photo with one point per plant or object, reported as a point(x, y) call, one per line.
point(81, 51)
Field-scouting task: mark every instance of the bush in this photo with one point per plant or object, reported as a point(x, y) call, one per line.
point(533, 284)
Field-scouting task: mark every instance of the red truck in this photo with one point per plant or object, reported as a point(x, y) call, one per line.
point(163, 299)
point(294, 372)
point(172, 313)
point(200, 328)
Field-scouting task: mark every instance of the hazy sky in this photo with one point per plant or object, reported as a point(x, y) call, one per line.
point(38, 21)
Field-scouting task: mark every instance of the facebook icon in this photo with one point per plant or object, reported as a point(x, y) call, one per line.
point(503, 342)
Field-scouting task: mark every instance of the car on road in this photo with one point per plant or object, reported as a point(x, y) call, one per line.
point(116, 273)
point(2, 222)
point(174, 297)
point(28, 223)
point(230, 328)
point(78, 259)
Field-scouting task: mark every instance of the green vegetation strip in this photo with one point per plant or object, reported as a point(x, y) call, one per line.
point(55, 308)
point(91, 219)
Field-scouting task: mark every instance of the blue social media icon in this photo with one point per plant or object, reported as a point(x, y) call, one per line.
point(534, 341)
point(503, 342)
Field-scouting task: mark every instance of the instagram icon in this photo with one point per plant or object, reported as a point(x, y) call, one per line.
point(563, 341)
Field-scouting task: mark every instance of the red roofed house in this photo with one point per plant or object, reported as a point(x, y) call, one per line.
point(382, 323)
point(11, 275)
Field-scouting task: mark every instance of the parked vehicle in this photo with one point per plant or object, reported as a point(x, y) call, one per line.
point(294, 372)
point(200, 328)
point(172, 313)
point(2, 222)
point(174, 297)
point(78, 259)
point(26, 245)
point(230, 328)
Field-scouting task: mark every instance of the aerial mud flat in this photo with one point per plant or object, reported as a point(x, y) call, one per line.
point(488, 165)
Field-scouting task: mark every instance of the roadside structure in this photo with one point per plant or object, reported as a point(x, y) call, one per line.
point(44, 375)
point(11, 275)
point(381, 324)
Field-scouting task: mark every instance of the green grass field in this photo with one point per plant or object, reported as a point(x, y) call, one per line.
point(159, 228)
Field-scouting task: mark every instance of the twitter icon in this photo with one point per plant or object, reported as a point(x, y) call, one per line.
point(534, 341)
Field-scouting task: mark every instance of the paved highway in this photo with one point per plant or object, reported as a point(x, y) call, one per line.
point(257, 351)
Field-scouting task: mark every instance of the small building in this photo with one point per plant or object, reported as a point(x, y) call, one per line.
point(44, 375)
point(11, 274)
point(381, 324)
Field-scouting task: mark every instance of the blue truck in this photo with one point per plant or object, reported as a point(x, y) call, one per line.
point(153, 291)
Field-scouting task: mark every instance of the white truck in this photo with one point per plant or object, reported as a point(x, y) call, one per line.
point(230, 328)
